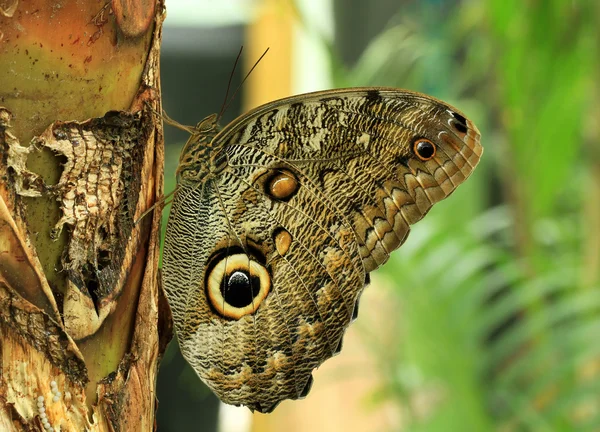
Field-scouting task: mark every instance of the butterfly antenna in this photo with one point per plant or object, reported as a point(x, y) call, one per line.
point(225, 106)
point(237, 59)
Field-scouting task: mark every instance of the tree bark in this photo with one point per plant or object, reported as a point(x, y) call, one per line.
point(82, 318)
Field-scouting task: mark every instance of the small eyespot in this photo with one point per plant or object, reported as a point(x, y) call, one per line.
point(282, 185)
point(459, 122)
point(424, 149)
point(237, 285)
point(283, 240)
point(459, 126)
point(459, 117)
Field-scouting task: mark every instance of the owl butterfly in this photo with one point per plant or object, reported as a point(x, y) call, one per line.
point(280, 216)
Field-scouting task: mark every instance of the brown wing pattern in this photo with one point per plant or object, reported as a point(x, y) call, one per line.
point(274, 229)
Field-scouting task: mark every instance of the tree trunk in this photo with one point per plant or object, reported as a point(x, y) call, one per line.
point(82, 318)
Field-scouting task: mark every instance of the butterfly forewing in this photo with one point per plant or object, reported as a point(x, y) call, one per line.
point(268, 249)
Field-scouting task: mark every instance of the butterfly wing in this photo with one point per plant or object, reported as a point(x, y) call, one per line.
point(264, 261)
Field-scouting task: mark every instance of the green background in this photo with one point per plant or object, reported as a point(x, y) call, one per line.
point(499, 284)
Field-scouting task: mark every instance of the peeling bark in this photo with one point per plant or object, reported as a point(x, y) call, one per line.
point(82, 317)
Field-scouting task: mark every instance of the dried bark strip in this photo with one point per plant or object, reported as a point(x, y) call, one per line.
point(98, 338)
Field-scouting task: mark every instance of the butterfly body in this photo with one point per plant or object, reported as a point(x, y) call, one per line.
point(279, 217)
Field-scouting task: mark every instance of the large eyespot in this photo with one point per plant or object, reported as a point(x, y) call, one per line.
point(237, 285)
point(424, 149)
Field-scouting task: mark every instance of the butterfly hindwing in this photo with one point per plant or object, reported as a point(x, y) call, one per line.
point(278, 219)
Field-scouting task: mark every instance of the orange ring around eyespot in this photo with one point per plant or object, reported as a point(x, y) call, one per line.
point(424, 141)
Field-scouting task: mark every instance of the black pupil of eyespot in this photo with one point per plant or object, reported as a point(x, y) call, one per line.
point(240, 288)
point(425, 149)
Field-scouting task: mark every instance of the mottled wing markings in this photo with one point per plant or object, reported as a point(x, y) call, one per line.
point(359, 187)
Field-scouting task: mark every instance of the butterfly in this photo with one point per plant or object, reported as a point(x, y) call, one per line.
point(279, 217)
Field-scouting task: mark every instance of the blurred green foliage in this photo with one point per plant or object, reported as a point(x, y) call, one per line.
point(499, 286)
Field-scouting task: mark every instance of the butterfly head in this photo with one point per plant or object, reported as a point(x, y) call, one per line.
point(198, 157)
